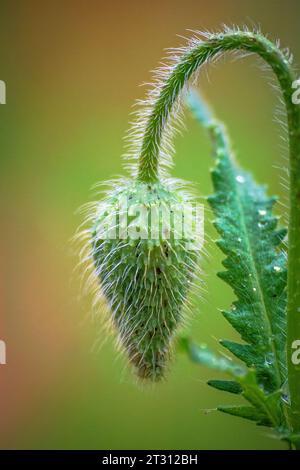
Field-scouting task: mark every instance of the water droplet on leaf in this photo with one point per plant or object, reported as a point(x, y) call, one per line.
point(240, 179)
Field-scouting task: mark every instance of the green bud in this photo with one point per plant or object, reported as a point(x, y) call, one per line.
point(145, 267)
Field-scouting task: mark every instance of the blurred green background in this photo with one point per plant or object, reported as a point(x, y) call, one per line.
point(72, 71)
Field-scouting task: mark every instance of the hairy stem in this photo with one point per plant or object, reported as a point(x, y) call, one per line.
point(198, 54)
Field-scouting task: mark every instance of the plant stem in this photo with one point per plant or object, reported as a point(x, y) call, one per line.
point(196, 55)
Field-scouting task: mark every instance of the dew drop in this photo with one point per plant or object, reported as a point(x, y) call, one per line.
point(286, 399)
point(268, 362)
point(254, 289)
point(262, 212)
point(239, 240)
point(277, 269)
point(285, 393)
point(240, 179)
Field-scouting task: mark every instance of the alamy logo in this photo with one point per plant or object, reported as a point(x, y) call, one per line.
point(2, 352)
point(183, 223)
point(2, 92)
point(296, 94)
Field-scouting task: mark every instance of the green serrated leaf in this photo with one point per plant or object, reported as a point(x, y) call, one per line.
point(229, 386)
point(255, 268)
point(246, 412)
point(267, 405)
point(243, 352)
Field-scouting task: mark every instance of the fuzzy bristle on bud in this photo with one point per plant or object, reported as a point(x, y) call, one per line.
point(145, 257)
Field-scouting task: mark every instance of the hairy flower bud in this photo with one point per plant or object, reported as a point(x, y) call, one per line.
point(145, 258)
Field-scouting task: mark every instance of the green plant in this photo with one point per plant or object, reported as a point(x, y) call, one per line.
point(256, 271)
point(146, 281)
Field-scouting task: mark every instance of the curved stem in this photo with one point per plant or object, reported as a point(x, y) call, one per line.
point(199, 53)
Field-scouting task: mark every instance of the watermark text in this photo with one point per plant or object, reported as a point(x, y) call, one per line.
point(2, 92)
point(296, 94)
point(296, 352)
point(2, 352)
point(178, 222)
